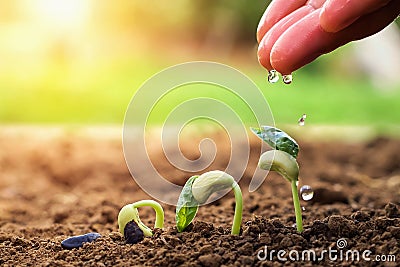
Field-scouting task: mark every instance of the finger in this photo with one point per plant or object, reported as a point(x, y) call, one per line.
point(269, 39)
point(299, 45)
point(277, 10)
point(370, 24)
point(339, 14)
point(306, 40)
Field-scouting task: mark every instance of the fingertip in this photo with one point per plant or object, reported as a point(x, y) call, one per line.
point(337, 15)
point(276, 10)
point(263, 55)
point(307, 39)
point(333, 20)
point(326, 20)
point(281, 62)
point(274, 33)
point(261, 28)
point(299, 45)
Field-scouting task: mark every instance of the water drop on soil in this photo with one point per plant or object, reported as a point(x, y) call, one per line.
point(287, 79)
point(306, 192)
point(273, 76)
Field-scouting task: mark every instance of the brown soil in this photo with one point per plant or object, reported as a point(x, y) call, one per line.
point(62, 185)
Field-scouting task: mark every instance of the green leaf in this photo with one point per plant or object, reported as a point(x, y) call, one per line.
point(187, 206)
point(277, 139)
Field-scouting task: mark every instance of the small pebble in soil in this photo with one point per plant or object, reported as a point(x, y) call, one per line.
point(79, 240)
point(341, 227)
point(392, 210)
point(306, 192)
point(132, 233)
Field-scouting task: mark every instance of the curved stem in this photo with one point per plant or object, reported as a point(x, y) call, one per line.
point(297, 208)
point(130, 212)
point(237, 218)
point(210, 182)
point(159, 223)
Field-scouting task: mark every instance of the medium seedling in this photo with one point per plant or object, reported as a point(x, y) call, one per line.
point(130, 212)
point(282, 160)
point(196, 192)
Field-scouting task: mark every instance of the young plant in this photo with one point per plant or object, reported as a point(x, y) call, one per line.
point(196, 192)
point(282, 160)
point(130, 212)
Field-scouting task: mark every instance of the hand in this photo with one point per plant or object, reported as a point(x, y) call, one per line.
point(292, 33)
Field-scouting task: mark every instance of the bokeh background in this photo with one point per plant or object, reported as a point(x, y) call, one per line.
point(79, 62)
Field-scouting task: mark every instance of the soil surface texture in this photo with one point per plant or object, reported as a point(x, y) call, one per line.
point(56, 186)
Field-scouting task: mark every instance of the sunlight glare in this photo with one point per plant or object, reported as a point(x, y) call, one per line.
point(62, 13)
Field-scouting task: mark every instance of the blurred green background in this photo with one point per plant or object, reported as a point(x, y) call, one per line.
point(81, 61)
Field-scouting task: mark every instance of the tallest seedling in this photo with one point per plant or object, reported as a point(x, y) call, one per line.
point(283, 161)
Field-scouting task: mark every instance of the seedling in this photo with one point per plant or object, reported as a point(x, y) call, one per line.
point(130, 212)
point(196, 192)
point(282, 160)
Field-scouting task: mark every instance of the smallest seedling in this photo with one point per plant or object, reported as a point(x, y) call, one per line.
point(130, 213)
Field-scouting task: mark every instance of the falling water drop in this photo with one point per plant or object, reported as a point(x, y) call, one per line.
point(273, 76)
point(287, 79)
point(306, 192)
point(302, 120)
point(303, 208)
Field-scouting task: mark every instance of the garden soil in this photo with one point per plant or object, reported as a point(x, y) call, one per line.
point(56, 185)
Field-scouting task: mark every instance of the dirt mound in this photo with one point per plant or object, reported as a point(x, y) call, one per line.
point(53, 188)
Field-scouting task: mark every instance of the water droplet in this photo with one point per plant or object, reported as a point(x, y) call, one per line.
point(294, 225)
point(302, 120)
point(303, 208)
point(306, 192)
point(273, 76)
point(287, 79)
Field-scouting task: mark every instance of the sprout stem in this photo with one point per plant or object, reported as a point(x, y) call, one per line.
point(297, 208)
point(130, 212)
point(286, 165)
point(210, 182)
point(159, 223)
point(237, 218)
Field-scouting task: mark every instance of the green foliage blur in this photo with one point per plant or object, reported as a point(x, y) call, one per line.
point(80, 62)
